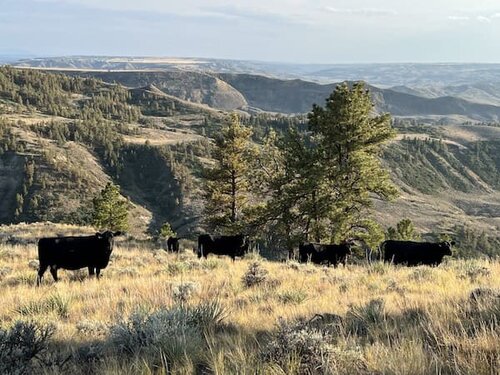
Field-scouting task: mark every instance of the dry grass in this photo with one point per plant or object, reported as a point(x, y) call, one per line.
point(375, 319)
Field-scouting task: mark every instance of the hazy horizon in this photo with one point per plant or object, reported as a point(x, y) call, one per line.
point(288, 31)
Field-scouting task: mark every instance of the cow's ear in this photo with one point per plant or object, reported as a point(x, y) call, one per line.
point(118, 233)
point(453, 243)
point(98, 234)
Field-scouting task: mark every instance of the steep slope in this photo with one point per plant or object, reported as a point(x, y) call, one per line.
point(189, 86)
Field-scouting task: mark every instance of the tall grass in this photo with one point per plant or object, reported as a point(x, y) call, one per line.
point(176, 314)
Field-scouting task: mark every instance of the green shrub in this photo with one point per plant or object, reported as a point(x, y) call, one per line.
point(182, 292)
point(379, 268)
point(361, 318)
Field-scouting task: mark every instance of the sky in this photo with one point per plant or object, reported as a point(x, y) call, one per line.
point(295, 31)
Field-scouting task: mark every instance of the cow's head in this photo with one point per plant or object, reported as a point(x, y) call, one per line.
point(446, 247)
point(108, 236)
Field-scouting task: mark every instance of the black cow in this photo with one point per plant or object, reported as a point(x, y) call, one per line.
point(73, 253)
point(414, 253)
point(323, 253)
point(222, 245)
point(173, 244)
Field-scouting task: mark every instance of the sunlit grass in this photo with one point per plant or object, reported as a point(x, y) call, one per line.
point(391, 320)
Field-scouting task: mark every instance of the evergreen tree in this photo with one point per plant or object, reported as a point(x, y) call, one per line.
point(110, 209)
point(166, 231)
point(331, 173)
point(405, 230)
point(228, 182)
point(347, 140)
point(275, 215)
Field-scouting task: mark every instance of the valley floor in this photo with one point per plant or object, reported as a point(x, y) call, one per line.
point(158, 313)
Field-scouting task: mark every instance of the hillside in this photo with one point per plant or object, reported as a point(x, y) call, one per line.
point(61, 142)
point(193, 87)
point(479, 92)
point(54, 165)
point(257, 92)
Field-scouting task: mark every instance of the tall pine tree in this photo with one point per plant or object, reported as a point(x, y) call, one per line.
point(331, 173)
point(227, 183)
point(347, 140)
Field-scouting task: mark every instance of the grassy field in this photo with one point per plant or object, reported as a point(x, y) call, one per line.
point(159, 313)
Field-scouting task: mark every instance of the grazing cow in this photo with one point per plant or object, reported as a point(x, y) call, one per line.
point(414, 253)
point(322, 253)
point(173, 244)
point(73, 253)
point(222, 245)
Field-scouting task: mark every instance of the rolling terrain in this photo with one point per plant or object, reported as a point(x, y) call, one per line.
point(155, 139)
point(434, 92)
point(255, 93)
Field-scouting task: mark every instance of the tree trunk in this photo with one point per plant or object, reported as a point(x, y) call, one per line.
point(233, 196)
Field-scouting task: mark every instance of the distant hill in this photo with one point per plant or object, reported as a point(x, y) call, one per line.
point(296, 96)
point(242, 91)
point(384, 75)
point(480, 92)
point(193, 87)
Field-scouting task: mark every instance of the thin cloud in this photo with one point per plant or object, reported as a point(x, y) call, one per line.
point(369, 12)
point(483, 19)
point(459, 18)
point(233, 12)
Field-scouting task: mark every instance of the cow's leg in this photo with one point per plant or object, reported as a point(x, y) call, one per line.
point(97, 273)
point(41, 270)
point(91, 271)
point(53, 272)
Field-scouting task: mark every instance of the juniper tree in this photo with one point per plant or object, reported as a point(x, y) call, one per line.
point(227, 183)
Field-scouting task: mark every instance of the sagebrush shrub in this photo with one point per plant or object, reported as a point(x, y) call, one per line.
point(255, 275)
point(176, 333)
point(182, 292)
point(22, 346)
point(304, 348)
